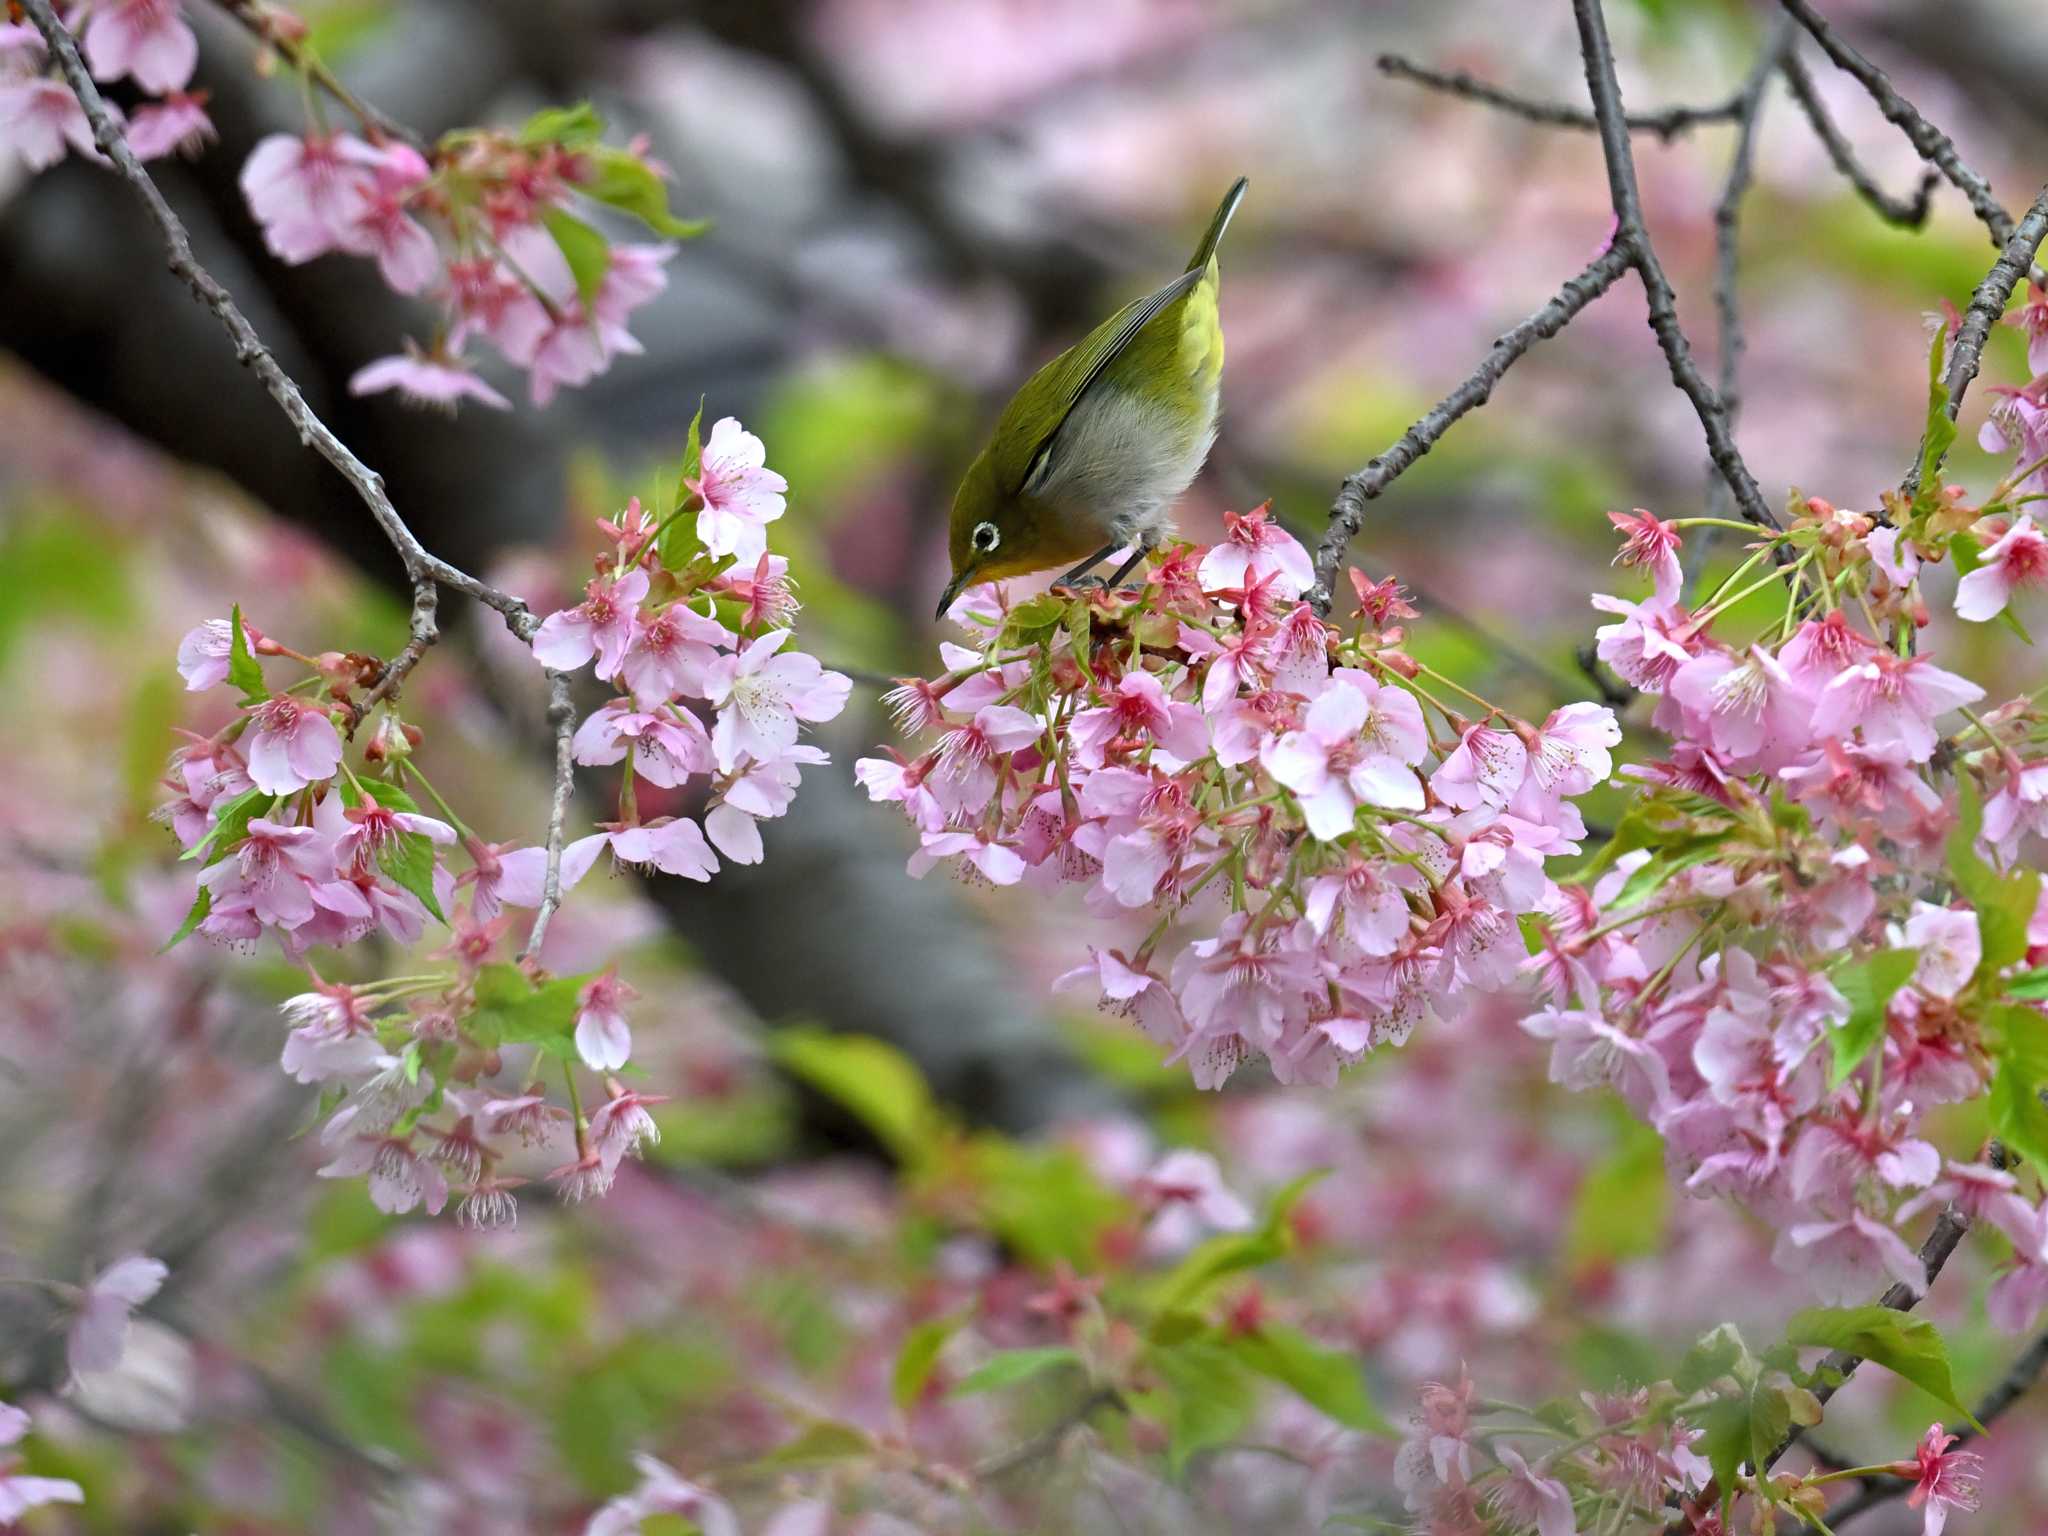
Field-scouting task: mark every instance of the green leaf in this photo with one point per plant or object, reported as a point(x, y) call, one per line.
point(622, 180)
point(587, 252)
point(575, 125)
point(1869, 985)
point(510, 1010)
point(875, 1082)
point(243, 670)
point(201, 905)
point(1209, 1398)
point(1220, 1257)
point(409, 861)
point(824, 1440)
point(2028, 986)
point(230, 825)
point(2019, 1040)
point(1714, 1355)
point(1330, 1379)
point(1697, 848)
point(920, 1353)
point(1725, 1441)
point(679, 544)
point(1939, 433)
point(2005, 903)
point(390, 796)
point(1013, 1366)
point(1903, 1344)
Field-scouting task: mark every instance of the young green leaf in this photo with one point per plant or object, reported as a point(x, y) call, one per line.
point(1939, 433)
point(511, 1010)
point(622, 180)
point(408, 860)
point(230, 825)
point(679, 544)
point(877, 1083)
point(1236, 1252)
point(2028, 986)
point(1012, 1366)
point(2019, 1043)
point(1714, 1355)
point(1329, 1379)
point(202, 904)
point(587, 252)
point(1209, 1398)
point(2005, 903)
point(1902, 1343)
point(572, 126)
point(1869, 985)
point(920, 1353)
point(243, 670)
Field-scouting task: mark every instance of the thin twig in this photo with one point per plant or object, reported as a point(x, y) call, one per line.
point(424, 631)
point(1047, 1440)
point(1666, 125)
point(1633, 236)
point(1934, 146)
point(2025, 1371)
point(422, 569)
point(1347, 515)
point(1909, 212)
point(262, 26)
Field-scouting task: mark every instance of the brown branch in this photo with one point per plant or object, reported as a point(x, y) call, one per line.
point(1934, 146)
point(1347, 514)
point(1633, 236)
point(262, 23)
point(422, 568)
point(1909, 212)
point(561, 716)
point(2022, 1375)
point(1666, 125)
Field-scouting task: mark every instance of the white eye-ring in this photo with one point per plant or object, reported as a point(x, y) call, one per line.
point(986, 537)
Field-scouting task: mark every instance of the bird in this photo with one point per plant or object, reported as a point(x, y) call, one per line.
point(1093, 451)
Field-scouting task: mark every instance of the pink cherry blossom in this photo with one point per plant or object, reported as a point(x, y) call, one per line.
point(997, 864)
point(1648, 645)
point(603, 1039)
point(1485, 769)
point(1891, 699)
point(622, 1124)
point(1573, 751)
point(1898, 563)
point(2018, 808)
point(1748, 708)
point(600, 626)
point(1850, 1260)
point(1138, 709)
point(20, 1493)
point(40, 119)
point(741, 495)
point(400, 1180)
point(99, 1331)
point(668, 747)
point(763, 790)
point(663, 1491)
point(522, 871)
point(2018, 423)
point(406, 256)
point(1527, 1498)
point(440, 381)
point(373, 830)
point(1943, 1479)
point(307, 192)
point(1650, 543)
point(1950, 947)
point(764, 693)
point(1190, 1178)
point(204, 652)
point(672, 654)
point(675, 847)
point(291, 744)
point(1332, 770)
point(2019, 558)
point(1253, 547)
point(176, 125)
point(149, 39)
point(271, 873)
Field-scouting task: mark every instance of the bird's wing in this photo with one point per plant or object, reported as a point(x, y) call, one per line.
point(1061, 385)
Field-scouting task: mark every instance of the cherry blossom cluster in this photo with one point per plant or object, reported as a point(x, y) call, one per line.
point(439, 1073)
point(1330, 838)
point(1815, 922)
point(1621, 1460)
point(495, 227)
point(146, 42)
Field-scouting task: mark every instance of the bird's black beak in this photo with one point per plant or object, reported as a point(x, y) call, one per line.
point(953, 590)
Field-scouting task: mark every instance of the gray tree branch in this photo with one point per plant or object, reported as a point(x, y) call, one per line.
point(1667, 124)
point(1909, 212)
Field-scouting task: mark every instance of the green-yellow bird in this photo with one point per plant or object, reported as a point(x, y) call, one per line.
point(1098, 445)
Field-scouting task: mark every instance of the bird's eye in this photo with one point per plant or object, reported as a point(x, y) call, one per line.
point(986, 537)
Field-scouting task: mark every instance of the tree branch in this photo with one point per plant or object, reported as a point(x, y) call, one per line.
point(1047, 1440)
point(1347, 514)
point(1934, 146)
point(424, 570)
point(1911, 213)
point(1666, 125)
point(1633, 235)
point(2024, 1372)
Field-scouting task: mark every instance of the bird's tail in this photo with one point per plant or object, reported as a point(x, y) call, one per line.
point(1207, 249)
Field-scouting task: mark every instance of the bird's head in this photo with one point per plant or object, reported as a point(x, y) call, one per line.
point(990, 533)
